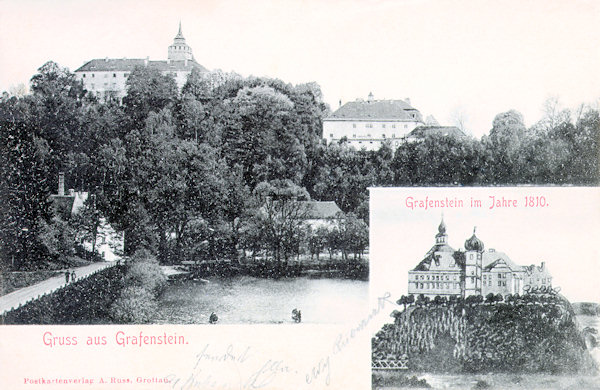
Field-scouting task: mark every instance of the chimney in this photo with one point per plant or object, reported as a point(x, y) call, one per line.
point(61, 183)
point(543, 265)
point(340, 102)
point(407, 100)
point(370, 97)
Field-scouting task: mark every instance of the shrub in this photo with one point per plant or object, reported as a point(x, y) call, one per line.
point(144, 271)
point(135, 305)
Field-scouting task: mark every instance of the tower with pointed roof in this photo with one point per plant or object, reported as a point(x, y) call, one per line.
point(106, 78)
point(438, 273)
point(473, 255)
point(179, 50)
point(441, 237)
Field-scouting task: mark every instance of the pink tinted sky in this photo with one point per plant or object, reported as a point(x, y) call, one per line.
point(475, 57)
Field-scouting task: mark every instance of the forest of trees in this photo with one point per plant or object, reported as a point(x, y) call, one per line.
point(184, 173)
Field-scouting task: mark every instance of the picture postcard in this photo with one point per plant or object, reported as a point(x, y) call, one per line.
point(302, 194)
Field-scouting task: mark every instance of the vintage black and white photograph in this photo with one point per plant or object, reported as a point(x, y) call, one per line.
point(158, 191)
point(494, 287)
point(198, 178)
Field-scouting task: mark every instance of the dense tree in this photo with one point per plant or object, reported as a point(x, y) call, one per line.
point(54, 110)
point(317, 240)
point(584, 147)
point(87, 223)
point(236, 205)
point(257, 136)
point(437, 159)
point(171, 182)
point(504, 142)
point(58, 238)
point(24, 188)
point(280, 218)
point(343, 175)
point(217, 167)
point(354, 235)
point(147, 90)
point(403, 301)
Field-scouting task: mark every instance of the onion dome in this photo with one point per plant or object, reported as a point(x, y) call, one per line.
point(441, 229)
point(474, 243)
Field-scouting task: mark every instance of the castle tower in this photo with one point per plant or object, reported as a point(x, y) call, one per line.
point(179, 50)
point(473, 257)
point(441, 237)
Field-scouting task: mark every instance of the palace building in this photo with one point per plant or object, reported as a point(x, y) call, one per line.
point(106, 78)
point(369, 124)
point(474, 271)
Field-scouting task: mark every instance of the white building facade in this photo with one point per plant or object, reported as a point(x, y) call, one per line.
point(368, 124)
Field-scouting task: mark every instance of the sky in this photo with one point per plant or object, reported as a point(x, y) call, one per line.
point(563, 234)
point(468, 59)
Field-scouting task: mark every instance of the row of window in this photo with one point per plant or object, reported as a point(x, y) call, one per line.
point(434, 277)
point(112, 85)
point(501, 275)
point(93, 75)
point(501, 283)
point(370, 126)
point(369, 135)
point(437, 285)
point(360, 142)
point(366, 136)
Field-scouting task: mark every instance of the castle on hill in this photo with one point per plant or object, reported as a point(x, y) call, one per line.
point(368, 124)
point(106, 78)
point(474, 271)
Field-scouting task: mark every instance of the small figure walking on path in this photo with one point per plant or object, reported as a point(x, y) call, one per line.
point(297, 316)
point(73, 276)
point(213, 318)
point(67, 274)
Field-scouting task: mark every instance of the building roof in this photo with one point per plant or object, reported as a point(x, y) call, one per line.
point(425, 131)
point(128, 64)
point(321, 210)
point(63, 204)
point(179, 37)
point(491, 259)
point(377, 109)
point(474, 243)
point(441, 229)
point(439, 258)
point(66, 205)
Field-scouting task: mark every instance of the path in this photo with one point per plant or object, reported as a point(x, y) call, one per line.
point(25, 294)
